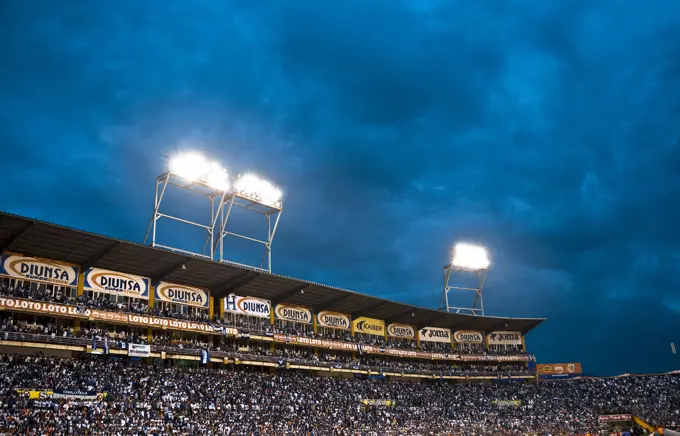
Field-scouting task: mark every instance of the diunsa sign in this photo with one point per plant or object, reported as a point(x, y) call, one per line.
point(293, 313)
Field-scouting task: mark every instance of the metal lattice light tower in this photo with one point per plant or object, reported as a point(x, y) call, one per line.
point(193, 173)
point(468, 260)
point(257, 196)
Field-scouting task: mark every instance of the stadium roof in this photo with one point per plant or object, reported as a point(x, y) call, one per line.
point(41, 239)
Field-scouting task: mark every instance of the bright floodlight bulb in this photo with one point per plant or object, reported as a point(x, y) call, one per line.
point(269, 194)
point(258, 189)
point(470, 257)
point(248, 184)
point(191, 166)
point(217, 177)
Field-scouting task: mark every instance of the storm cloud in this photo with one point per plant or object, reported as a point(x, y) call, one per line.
point(547, 131)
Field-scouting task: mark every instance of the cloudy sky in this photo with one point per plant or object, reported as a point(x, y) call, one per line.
point(547, 130)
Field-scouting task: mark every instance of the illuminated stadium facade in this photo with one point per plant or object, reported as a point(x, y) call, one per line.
point(208, 288)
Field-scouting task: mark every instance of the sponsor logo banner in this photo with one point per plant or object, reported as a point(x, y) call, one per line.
point(320, 343)
point(369, 349)
point(293, 313)
point(615, 418)
point(111, 282)
point(401, 331)
point(386, 403)
point(109, 316)
point(468, 337)
point(370, 326)
point(498, 358)
point(435, 334)
point(333, 320)
point(46, 394)
point(558, 368)
point(505, 338)
point(36, 270)
point(507, 403)
point(181, 294)
point(43, 307)
point(557, 376)
point(32, 394)
point(139, 350)
point(250, 306)
point(178, 324)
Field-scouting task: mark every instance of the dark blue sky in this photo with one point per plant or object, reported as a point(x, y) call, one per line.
point(547, 130)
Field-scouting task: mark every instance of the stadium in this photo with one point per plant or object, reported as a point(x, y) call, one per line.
point(104, 336)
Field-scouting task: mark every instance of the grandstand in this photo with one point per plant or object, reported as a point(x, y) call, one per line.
point(197, 346)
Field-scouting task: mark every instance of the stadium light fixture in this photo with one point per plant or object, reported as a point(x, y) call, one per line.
point(466, 259)
point(470, 257)
point(257, 195)
point(217, 177)
point(193, 172)
point(260, 190)
point(194, 167)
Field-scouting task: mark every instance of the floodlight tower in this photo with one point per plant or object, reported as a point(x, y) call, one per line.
point(466, 260)
point(191, 172)
point(257, 195)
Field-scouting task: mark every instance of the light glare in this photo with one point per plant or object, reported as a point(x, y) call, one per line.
point(190, 166)
point(217, 177)
point(469, 256)
point(195, 167)
point(255, 188)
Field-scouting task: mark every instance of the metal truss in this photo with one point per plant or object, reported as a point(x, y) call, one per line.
point(472, 294)
point(221, 204)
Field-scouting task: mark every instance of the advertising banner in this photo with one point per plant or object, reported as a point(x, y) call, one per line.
point(34, 394)
point(496, 358)
point(370, 349)
point(435, 334)
point(369, 326)
point(320, 343)
point(175, 324)
point(37, 270)
point(558, 369)
point(615, 418)
point(43, 308)
point(111, 282)
point(468, 337)
point(507, 403)
point(46, 394)
point(505, 338)
point(404, 331)
point(333, 320)
point(181, 294)
point(139, 350)
point(386, 403)
point(250, 306)
point(287, 312)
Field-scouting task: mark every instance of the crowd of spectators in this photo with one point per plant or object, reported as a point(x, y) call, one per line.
point(243, 323)
point(118, 339)
point(158, 399)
